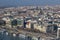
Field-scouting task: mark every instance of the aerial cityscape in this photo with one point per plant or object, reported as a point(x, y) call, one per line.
point(30, 21)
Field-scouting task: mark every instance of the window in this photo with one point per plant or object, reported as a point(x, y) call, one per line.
point(14, 22)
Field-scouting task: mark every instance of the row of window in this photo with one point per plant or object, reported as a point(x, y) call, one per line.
point(13, 22)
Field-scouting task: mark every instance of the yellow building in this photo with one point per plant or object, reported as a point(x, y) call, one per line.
point(28, 24)
point(42, 28)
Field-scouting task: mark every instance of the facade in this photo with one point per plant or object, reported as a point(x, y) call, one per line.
point(8, 22)
point(58, 33)
point(28, 24)
point(20, 22)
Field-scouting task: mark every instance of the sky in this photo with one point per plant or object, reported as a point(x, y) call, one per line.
point(28, 2)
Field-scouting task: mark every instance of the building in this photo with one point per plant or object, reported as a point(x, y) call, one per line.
point(20, 22)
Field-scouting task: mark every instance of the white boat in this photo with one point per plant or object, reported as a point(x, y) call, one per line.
point(14, 35)
point(21, 35)
point(7, 33)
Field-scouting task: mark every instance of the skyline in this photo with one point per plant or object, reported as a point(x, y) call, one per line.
point(28, 2)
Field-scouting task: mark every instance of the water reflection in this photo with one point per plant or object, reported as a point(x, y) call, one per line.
point(11, 36)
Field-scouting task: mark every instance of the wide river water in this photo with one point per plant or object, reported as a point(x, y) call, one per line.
point(12, 36)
